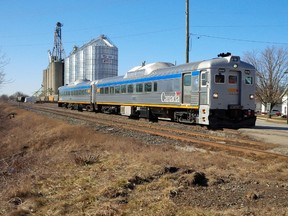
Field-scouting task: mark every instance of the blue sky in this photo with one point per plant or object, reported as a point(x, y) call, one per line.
point(143, 30)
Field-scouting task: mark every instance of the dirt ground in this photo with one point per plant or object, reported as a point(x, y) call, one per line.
point(52, 167)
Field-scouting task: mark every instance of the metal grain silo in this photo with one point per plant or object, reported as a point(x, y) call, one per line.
point(106, 62)
point(95, 60)
point(87, 62)
point(72, 68)
point(66, 68)
point(79, 72)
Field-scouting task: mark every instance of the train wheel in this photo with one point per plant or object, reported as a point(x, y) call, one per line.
point(89, 108)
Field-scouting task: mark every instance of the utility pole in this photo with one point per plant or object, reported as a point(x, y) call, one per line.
point(187, 31)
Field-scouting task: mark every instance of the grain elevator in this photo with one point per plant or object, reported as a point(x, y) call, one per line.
point(94, 60)
point(53, 76)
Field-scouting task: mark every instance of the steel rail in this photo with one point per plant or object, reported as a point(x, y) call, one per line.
point(171, 133)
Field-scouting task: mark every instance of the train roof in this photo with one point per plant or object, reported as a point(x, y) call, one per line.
point(160, 68)
point(163, 68)
point(78, 83)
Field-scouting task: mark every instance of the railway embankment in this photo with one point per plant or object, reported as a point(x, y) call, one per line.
point(51, 165)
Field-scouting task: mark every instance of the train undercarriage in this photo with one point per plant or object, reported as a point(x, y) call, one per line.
point(218, 118)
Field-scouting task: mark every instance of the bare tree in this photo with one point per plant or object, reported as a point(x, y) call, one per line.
point(3, 63)
point(4, 97)
point(271, 65)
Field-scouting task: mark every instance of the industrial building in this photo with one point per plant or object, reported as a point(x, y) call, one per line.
point(53, 76)
point(95, 60)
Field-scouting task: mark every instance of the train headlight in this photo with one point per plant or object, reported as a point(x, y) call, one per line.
point(215, 95)
point(251, 96)
point(235, 66)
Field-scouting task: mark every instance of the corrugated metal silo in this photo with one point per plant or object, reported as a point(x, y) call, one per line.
point(79, 65)
point(87, 62)
point(95, 60)
point(106, 62)
point(72, 68)
point(66, 68)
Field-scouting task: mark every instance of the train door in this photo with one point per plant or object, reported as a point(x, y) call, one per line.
point(204, 109)
point(203, 93)
point(191, 88)
point(234, 80)
point(187, 88)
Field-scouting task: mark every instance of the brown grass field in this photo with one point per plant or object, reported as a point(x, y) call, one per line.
point(50, 167)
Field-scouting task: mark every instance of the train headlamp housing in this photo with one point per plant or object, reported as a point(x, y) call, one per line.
point(251, 96)
point(235, 66)
point(215, 95)
point(235, 58)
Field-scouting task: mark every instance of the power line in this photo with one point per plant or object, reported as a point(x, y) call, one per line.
point(237, 39)
point(239, 26)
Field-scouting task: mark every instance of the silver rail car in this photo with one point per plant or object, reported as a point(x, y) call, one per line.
point(217, 93)
point(77, 95)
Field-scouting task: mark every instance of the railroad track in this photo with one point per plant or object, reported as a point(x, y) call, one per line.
point(201, 139)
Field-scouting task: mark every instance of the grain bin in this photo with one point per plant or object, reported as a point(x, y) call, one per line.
point(95, 60)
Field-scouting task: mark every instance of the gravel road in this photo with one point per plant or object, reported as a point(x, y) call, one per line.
point(270, 132)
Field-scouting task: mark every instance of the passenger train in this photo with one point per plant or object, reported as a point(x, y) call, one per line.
point(216, 93)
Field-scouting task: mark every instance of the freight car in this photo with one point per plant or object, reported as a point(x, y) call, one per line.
point(217, 93)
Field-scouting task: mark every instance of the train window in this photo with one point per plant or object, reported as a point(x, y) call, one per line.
point(106, 91)
point(187, 80)
point(232, 79)
point(203, 79)
point(111, 90)
point(148, 87)
point(101, 90)
point(139, 87)
point(219, 78)
point(155, 86)
point(117, 89)
point(130, 88)
point(123, 88)
point(248, 80)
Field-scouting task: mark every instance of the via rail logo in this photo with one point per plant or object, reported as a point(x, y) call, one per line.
point(168, 97)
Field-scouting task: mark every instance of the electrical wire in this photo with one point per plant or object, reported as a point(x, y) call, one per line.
point(237, 39)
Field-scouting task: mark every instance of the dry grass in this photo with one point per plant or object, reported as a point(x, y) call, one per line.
point(48, 167)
